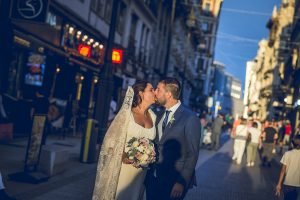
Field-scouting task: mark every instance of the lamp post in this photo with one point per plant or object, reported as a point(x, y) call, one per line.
point(106, 77)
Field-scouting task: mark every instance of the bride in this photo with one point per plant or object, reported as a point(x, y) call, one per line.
point(116, 178)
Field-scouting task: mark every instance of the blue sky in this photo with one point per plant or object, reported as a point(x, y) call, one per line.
point(251, 28)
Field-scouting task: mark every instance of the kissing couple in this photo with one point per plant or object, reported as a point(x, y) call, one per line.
point(173, 133)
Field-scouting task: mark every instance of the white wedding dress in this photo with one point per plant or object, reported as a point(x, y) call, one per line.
point(131, 179)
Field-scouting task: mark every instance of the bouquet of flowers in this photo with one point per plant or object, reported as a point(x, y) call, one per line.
point(141, 152)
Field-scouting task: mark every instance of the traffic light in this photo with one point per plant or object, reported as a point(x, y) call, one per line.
point(117, 56)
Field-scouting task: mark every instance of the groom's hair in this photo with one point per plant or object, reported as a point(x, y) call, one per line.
point(173, 86)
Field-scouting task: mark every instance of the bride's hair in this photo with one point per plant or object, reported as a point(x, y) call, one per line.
point(139, 86)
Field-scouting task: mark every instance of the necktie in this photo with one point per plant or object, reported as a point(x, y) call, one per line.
point(165, 122)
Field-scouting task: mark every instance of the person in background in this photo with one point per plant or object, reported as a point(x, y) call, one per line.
point(3, 194)
point(209, 117)
point(287, 133)
point(216, 131)
point(235, 124)
point(203, 125)
point(255, 134)
point(290, 173)
point(240, 141)
point(269, 138)
point(259, 125)
point(297, 132)
point(281, 131)
point(207, 136)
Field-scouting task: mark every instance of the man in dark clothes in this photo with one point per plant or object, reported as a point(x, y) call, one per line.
point(281, 132)
point(269, 138)
point(216, 131)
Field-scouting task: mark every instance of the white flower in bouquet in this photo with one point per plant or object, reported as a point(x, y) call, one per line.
point(135, 144)
point(141, 151)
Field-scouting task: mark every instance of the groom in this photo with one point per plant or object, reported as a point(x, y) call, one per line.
point(178, 135)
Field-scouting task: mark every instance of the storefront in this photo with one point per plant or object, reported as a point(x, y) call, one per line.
point(61, 59)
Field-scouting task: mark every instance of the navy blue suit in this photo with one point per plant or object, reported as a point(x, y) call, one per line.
point(177, 150)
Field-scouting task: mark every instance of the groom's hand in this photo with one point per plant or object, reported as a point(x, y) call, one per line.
point(177, 191)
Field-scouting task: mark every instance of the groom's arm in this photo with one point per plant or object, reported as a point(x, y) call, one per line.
point(192, 135)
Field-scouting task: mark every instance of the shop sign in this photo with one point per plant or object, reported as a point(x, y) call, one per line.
point(84, 50)
point(80, 44)
point(117, 55)
point(34, 10)
point(35, 142)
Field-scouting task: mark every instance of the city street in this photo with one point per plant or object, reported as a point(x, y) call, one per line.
point(81, 73)
point(217, 176)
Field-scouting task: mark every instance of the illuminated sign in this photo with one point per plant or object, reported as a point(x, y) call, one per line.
point(117, 55)
point(35, 10)
point(84, 50)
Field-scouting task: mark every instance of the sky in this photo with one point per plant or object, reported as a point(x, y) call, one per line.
point(242, 25)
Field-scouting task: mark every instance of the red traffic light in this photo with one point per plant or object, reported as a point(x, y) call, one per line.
point(117, 56)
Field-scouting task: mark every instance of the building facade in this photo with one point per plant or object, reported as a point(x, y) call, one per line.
point(276, 68)
point(227, 92)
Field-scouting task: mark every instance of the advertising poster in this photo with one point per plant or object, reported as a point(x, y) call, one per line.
point(35, 140)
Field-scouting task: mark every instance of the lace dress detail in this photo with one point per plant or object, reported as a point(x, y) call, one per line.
point(131, 179)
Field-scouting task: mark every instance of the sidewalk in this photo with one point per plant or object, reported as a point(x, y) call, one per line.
point(218, 178)
point(75, 183)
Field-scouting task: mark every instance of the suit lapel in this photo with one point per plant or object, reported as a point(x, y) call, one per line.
point(176, 116)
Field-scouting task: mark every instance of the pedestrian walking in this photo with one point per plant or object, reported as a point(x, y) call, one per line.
point(269, 138)
point(281, 132)
point(203, 125)
point(216, 131)
point(255, 135)
point(288, 133)
point(290, 173)
point(240, 141)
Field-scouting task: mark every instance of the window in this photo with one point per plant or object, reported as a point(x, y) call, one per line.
point(134, 20)
point(94, 4)
point(108, 9)
point(54, 20)
point(207, 7)
point(98, 7)
point(121, 18)
point(204, 26)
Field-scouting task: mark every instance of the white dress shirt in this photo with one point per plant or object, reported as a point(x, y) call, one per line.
point(173, 110)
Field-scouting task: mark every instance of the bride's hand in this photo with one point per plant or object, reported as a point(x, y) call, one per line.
point(126, 160)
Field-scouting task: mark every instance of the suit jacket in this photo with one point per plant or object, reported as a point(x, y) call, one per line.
point(178, 147)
